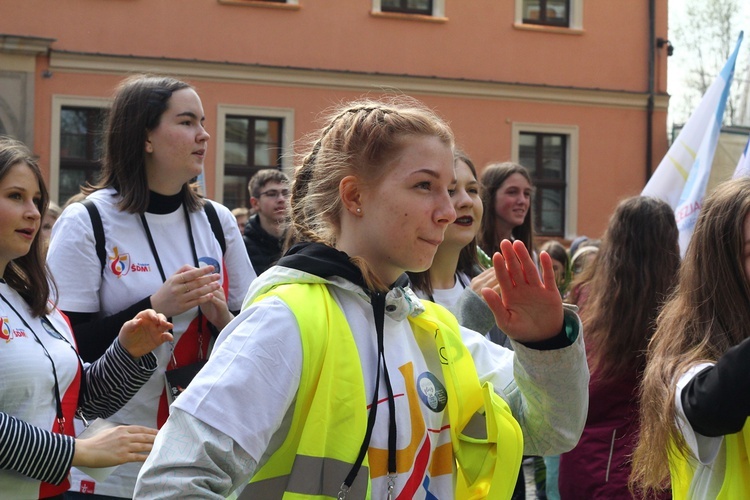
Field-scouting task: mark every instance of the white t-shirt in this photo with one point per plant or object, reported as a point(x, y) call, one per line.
point(130, 275)
point(448, 297)
point(26, 379)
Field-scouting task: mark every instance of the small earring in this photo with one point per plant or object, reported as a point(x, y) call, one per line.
point(359, 210)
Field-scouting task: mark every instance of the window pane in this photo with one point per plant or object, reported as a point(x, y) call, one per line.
point(552, 210)
point(557, 11)
point(266, 143)
point(554, 157)
point(531, 9)
point(71, 181)
point(80, 133)
point(408, 6)
point(527, 152)
point(235, 139)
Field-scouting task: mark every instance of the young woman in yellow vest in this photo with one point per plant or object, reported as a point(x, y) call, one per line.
point(696, 391)
point(337, 381)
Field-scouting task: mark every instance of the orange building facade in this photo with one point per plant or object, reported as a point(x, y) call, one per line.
point(573, 89)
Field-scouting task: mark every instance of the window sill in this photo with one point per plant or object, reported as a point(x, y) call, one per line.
point(548, 29)
point(409, 17)
point(255, 3)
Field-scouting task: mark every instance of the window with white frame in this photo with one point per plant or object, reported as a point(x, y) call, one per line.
point(557, 13)
point(249, 139)
point(550, 155)
point(76, 144)
point(434, 8)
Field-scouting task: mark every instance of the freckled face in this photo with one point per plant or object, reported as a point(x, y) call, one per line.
point(407, 211)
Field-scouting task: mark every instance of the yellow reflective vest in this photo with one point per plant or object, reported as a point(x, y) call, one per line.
point(736, 474)
point(330, 414)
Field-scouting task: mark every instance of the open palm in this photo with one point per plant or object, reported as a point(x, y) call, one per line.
point(528, 308)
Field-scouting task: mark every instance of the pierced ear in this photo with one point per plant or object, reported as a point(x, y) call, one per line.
point(351, 196)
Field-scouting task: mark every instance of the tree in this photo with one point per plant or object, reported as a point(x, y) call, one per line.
point(704, 37)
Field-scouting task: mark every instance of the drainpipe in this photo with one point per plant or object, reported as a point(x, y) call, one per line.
point(651, 77)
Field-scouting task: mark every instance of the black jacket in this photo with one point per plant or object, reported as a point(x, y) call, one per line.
point(262, 248)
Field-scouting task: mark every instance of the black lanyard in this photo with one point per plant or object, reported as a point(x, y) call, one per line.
point(58, 399)
point(378, 309)
point(153, 246)
point(155, 253)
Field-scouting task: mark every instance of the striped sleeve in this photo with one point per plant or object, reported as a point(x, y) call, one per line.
point(113, 379)
point(34, 452)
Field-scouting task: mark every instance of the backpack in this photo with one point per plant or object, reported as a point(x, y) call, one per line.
point(96, 224)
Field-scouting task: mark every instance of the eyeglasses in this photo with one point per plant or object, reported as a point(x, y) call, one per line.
point(275, 193)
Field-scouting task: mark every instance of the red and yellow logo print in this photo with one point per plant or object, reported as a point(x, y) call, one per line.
point(120, 264)
point(5, 332)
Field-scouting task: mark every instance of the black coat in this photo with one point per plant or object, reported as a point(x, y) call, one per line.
point(262, 248)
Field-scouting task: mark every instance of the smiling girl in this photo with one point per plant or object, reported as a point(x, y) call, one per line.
point(43, 380)
point(506, 195)
point(337, 381)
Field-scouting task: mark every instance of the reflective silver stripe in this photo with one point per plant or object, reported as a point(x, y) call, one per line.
point(310, 476)
point(477, 427)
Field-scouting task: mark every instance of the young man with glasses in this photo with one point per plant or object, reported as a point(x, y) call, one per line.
point(264, 232)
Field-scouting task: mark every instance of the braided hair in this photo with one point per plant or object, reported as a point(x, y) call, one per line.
point(360, 139)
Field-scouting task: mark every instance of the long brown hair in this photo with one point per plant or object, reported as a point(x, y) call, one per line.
point(360, 138)
point(632, 274)
point(493, 177)
point(708, 313)
point(28, 275)
point(140, 101)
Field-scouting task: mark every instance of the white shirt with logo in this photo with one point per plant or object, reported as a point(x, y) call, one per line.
point(130, 275)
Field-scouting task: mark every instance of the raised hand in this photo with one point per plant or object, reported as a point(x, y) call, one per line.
point(187, 288)
point(528, 309)
point(144, 333)
point(115, 446)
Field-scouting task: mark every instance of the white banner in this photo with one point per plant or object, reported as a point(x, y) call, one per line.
point(681, 177)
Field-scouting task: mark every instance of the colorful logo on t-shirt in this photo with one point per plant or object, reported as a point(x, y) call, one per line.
point(210, 261)
point(5, 333)
point(120, 263)
point(431, 392)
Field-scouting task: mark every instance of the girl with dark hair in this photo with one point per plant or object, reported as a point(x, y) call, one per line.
point(336, 380)
point(695, 396)
point(506, 195)
point(161, 249)
point(631, 276)
point(44, 381)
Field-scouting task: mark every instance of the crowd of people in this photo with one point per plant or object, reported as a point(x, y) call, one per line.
point(383, 323)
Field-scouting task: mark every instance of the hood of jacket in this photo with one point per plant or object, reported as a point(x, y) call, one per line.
point(316, 263)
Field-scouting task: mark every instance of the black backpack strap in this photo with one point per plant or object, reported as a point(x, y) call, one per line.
point(213, 219)
point(96, 224)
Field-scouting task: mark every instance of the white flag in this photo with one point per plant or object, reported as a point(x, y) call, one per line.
point(681, 177)
point(743, 166)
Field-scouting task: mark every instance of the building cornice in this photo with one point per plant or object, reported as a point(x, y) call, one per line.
point(347, 80)
point(24, 45)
